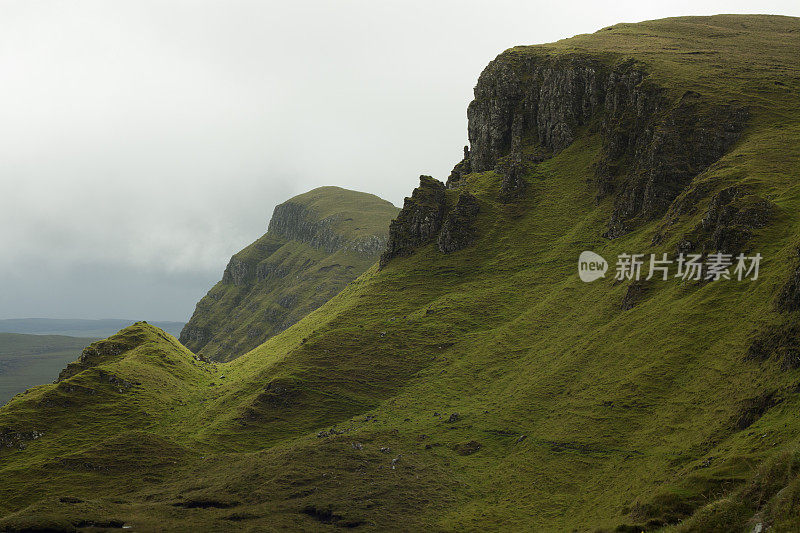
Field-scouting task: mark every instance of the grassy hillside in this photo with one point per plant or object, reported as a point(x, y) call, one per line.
point(28, 360)
point(316, 244)
point(488, 388)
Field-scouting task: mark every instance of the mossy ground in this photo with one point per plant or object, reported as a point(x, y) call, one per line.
point(573, 414)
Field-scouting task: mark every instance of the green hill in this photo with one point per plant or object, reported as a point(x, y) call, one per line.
point(28, 360)
point(472, 381)
point(315, 245)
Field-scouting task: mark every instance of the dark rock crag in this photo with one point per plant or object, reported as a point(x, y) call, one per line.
point(420, 220)
point(461, 169)
point(427, 217)
point(678, 142)
point(458, 229)
point(732, 217)
point(512, 184)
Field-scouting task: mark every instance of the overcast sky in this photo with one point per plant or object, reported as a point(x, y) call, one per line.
point(144, 142)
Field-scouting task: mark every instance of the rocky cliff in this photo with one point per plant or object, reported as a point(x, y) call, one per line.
point(315, 244)
point(529, 106)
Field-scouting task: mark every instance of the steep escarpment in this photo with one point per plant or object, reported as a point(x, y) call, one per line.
point(531, 104)
point(315, 244)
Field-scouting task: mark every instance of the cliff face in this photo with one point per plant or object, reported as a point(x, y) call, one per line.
point(297, 222)
point(530, 106)
point(315, 244)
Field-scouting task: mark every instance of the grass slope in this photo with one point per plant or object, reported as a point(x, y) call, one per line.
point(28, 360)
point(481, 390)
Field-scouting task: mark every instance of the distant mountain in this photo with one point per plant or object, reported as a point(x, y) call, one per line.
point(316, 243)
point(29, 360)
point(78, 327)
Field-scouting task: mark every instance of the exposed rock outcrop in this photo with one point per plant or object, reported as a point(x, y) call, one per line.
point(512, 185)
point(428, 217)
point(295, 221)
point(461, 169)
point(676, 143)
point(520, 98)
point(731, 218)
point(458, 230)
point(10, 438)
point(733, 215)
point(420, 220)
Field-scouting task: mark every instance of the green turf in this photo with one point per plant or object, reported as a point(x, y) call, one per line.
point(573, 414)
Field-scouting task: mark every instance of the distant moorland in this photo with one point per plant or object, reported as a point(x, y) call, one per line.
point(78, 327)
point(28, 360)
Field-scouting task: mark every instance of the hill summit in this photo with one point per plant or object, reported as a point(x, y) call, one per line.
point(316, 243)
